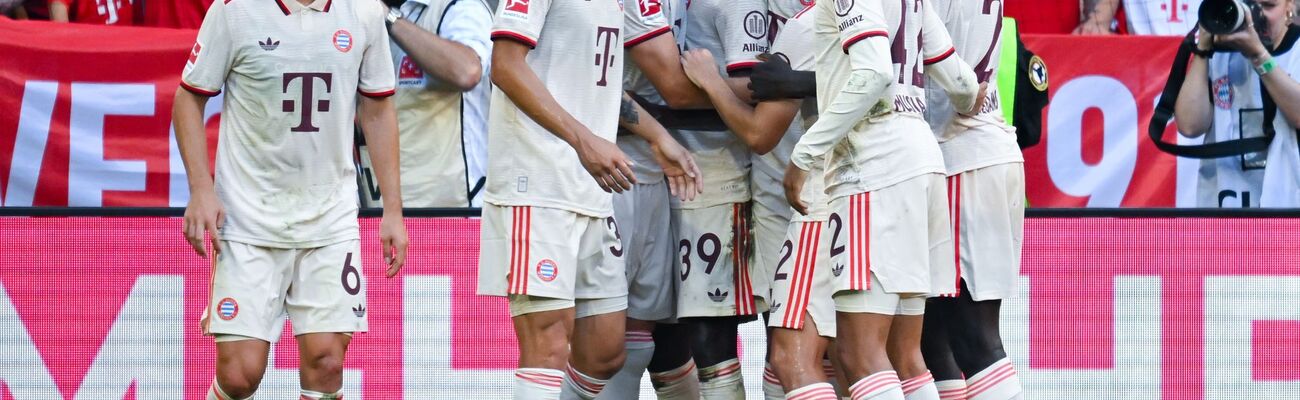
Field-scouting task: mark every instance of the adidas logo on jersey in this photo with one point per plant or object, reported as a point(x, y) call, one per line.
point(717, 295)
point(269, 44)
point(775, 307)
point(359, 310)
point(837, 269)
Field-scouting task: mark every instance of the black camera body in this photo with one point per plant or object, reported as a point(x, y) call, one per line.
point(1221, 17)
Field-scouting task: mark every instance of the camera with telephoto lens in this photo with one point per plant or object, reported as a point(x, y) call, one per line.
point(1221, 17)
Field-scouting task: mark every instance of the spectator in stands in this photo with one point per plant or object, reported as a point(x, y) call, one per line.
point(441, 49)
point(100, 12)
point(1247, 93)
point(33, 9)
point(182, 14)
point(1141, 17)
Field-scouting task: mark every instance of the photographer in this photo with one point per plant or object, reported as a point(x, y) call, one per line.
point(1238, 85)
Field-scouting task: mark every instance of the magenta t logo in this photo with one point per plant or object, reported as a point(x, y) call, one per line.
point(604, 58)
point(308, 83)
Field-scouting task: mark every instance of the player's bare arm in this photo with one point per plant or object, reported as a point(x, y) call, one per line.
point(611, 169)
point(660, 61)
point(204, 212)
point(450, 63)
point(760, 126)
point(378, 122)
point(684, 178)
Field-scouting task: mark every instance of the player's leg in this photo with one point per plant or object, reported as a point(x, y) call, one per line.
point(597, 347)
point(935, 348)
point(672, 369)
point(801, 305)
point(530, 255)
point(716, 294)
point(326, 302)
point(904, 350)
point(861, 340)
point(991, 211)
point(797, 357)
point(320, 364)
point(245, 280)
point(241, 363)
point(646, 238)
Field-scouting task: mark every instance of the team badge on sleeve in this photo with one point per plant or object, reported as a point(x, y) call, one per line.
point(227, 309)
point(1038, 73)
point(194, 53)
point(547, 270)
point(343, 40)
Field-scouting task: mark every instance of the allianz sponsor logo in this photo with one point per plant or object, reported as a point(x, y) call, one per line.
point(850, 22)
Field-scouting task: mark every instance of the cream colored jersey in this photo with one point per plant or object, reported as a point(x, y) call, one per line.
point(769, 169)
point(736, 33)
point(986, 139)
point(435, 119)
point(528, 165)
point(894, 143)
point(647, 20)
point(796, 46)
point(291, 74)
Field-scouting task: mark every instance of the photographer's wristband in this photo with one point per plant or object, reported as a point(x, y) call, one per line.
point(1263, 68)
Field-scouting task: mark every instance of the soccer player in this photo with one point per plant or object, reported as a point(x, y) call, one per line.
point(884, 181)
point(282, 212)
point(653, 71)
point(441, 50)
point(766, 128)
point(553, 162)
point(712, 232)
point(986, 189)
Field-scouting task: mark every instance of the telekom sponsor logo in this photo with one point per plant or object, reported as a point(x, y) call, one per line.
point(1146, 308)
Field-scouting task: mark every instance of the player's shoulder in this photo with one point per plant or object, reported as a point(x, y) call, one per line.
point(365, 9)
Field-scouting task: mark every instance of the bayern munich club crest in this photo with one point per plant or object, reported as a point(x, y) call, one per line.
point(547, 270)
point(343, 40)
point(1222, 90)
point(227, 309)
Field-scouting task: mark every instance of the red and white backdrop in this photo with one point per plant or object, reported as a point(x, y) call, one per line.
point(108, 307)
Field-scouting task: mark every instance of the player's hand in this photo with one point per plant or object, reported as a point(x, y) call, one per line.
point(794, 180)
point(700, 67)
point(204, 213)
point(392, 235)
point(979, 100)
point(684, 179)
point(606, 163)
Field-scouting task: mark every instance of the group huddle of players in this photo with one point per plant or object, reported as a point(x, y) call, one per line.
point(888, 199)
point(841, 221)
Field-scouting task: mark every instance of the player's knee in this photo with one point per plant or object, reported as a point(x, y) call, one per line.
point(327, 366)
point(238, 383)
point(610, 364)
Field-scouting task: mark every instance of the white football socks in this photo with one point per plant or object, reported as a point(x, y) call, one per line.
point(952, 389)
point(722, 381)
point(883, 385)
point(772, 389)
point(816, 391)
point(681, 383)
point(997, 382)
point(538, 384)
point(314, 395)
point(920, 387)
point(580, 386)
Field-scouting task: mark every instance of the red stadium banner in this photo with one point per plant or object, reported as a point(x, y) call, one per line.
point(85, 114)
point(1141, 308)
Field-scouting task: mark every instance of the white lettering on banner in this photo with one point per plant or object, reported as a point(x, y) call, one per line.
point(29, 145)
point(1137, 343)
point(147, 335)
point(179, 186)
point(426, 346)
point(1233, 305)
point(24, 372)
point(89, 174)
point(144, 347)
point(1105, 183)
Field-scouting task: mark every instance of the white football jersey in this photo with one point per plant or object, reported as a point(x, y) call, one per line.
point(972, 142)
point(641, 23)
point(769, 169)
point(1161, 17)
point(735, 32)
point(1269, 179)
point(895, 144)
point(528, 165)
point(291, 74)
point(795, 44)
